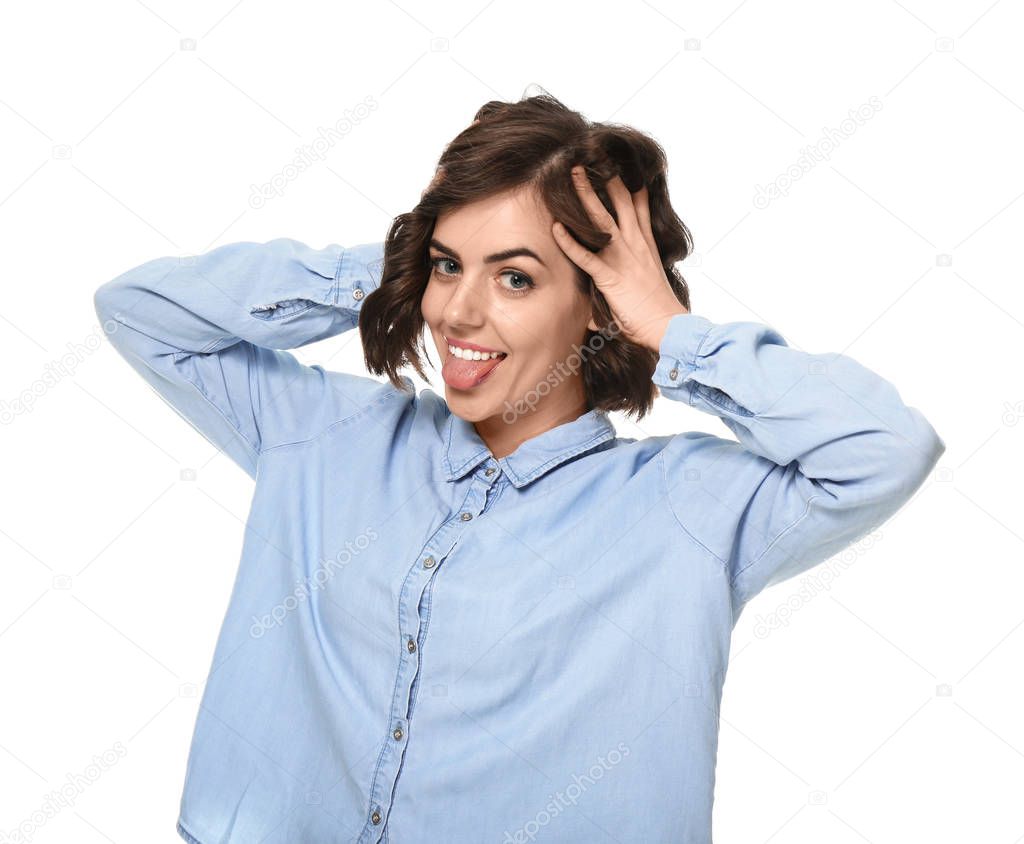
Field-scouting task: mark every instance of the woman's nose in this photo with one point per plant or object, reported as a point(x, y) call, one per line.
point(466, 305)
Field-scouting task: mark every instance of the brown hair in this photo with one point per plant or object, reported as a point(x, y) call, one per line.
point(534, 142)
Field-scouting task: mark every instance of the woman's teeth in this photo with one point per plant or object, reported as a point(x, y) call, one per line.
point(469, 354)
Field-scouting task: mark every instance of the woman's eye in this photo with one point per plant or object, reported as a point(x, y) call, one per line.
point(521, 282)
point(442, 260)
point(519, 285)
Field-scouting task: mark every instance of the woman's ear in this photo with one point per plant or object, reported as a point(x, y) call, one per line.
point(592, 325)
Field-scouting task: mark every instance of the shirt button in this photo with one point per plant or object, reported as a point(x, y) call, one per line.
point(489, 471)
point(428, 563)
point(411, 646)
point(398, 734)
point(673, 374)
point(357, 294)
point(466, 517)
point(375, 817)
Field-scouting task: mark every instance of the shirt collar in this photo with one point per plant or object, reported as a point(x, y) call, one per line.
point(465, 450)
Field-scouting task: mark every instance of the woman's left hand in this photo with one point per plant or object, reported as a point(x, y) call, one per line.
point(628, 271)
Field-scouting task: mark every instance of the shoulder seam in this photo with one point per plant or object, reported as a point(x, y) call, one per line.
point(391, 393)
point(668, 498)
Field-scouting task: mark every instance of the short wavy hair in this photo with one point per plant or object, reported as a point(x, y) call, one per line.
point(532, 143)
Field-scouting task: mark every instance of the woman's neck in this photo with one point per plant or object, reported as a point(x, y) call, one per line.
point(503, 436)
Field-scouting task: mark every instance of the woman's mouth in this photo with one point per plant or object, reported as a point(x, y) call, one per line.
point(465, 368)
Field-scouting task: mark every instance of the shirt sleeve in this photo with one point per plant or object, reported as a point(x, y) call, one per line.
point(209, 334)
point(826, 450)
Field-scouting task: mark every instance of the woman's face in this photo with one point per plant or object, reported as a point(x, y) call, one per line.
point(486, 290)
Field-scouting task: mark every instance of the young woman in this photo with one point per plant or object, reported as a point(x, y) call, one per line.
point(486, 617)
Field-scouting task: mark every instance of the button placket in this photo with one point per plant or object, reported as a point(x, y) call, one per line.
point(414, 603)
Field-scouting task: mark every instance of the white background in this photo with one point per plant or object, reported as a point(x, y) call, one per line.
point(885, 709)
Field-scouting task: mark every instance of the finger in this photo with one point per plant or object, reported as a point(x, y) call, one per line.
point(628, 224)
point(586, 260)
point(642, 205)
point(592, 203)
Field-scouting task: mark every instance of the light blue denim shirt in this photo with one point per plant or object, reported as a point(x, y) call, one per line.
point(428, 644)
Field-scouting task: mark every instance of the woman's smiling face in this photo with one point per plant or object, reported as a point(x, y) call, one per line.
point(499, 281)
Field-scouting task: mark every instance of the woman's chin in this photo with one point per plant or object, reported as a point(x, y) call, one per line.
point(472, 405)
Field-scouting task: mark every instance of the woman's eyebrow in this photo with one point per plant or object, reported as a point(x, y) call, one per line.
point(497, 257)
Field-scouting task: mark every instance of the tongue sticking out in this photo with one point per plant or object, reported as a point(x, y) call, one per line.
point(463, 374)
